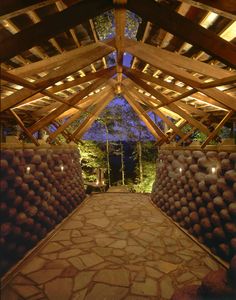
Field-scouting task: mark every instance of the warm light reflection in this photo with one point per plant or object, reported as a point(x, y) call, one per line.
point(213, 170)
point(27, 170)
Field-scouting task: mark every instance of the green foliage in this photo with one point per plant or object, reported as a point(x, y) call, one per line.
point(148, 178)
point(149, 169)
point(225, 132)
point(132, 23)
point(105, 25)
point(92, 157)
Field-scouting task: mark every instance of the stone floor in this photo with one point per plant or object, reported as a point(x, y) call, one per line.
point(115, 246)
point(118, 189)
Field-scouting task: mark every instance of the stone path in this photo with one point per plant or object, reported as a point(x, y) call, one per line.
point(116, 246)
point(118, 189)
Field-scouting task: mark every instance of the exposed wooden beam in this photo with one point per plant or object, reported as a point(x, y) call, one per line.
point(173, 87)
point(145, 34)
point(22, 126)
point(120, 18)
point(149, 101)
point(206, 40)
point(35, 18)
point(57, 88)
point(54, 61)
point(164, 118)
point(96, 40)
point(157, 81)
point(17, 80)
point(83, 104)
point(224, 8)
point(69, 68)
point(99, 107)
point(73, 100)
point(152, 127)
point(219, 82)
point(164, 99)
point(217, 128)
point(77, 115)
point(12, 8)
point(51, 26)
point(141, 52)
point(181, 61)
point(10, 26)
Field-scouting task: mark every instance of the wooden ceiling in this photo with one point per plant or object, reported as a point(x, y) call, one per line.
point(54, 67)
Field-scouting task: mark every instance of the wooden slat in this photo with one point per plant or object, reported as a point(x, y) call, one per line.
point(181, 61)
point(80, 62)
point(164, 99)
point(17, 80)
point(147, 100)
point(152, 127)
point(224, 8)
point(206, 40)
point(11, 9)
point(218, 127)
point(54, 61)
point(140, 51)
point(22, 126)
point(51, 26)
point(219, 82)
point(74, 100)
point(157, 112)
point(57, 88)
point(173, 87)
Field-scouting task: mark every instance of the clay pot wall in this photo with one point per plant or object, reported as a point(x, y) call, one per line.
point(39, 187)
point(198, 190)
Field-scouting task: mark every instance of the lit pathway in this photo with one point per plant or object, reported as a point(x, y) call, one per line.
point(116, 246)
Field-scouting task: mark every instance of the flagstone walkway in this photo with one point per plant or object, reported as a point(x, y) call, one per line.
point(115, 246)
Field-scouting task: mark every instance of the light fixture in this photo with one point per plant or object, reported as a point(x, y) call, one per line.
point(62, 168)
point(180, 170)
point(27, 170)
point(213, 170)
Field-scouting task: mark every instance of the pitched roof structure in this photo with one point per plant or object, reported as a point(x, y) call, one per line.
point(53, 64)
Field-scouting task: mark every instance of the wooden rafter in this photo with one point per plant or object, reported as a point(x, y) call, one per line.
point(99, 107)
point(162, 15)
point(217, 128)
point(58, 88)
point(140, 51)
point(182, 61)
point(22, 126)
point(164, 99)
point(158, 112)
point(51, 26)
point(120, 18)
point(184, 93)
point(55, 61)
point(224, 8)
point(74, 100)
point(77, 115)
point(68, 68)
point(219, 82)
point(15, 8)
point(152, 127)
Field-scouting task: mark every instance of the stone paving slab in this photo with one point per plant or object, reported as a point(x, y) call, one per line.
point(115, 246)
